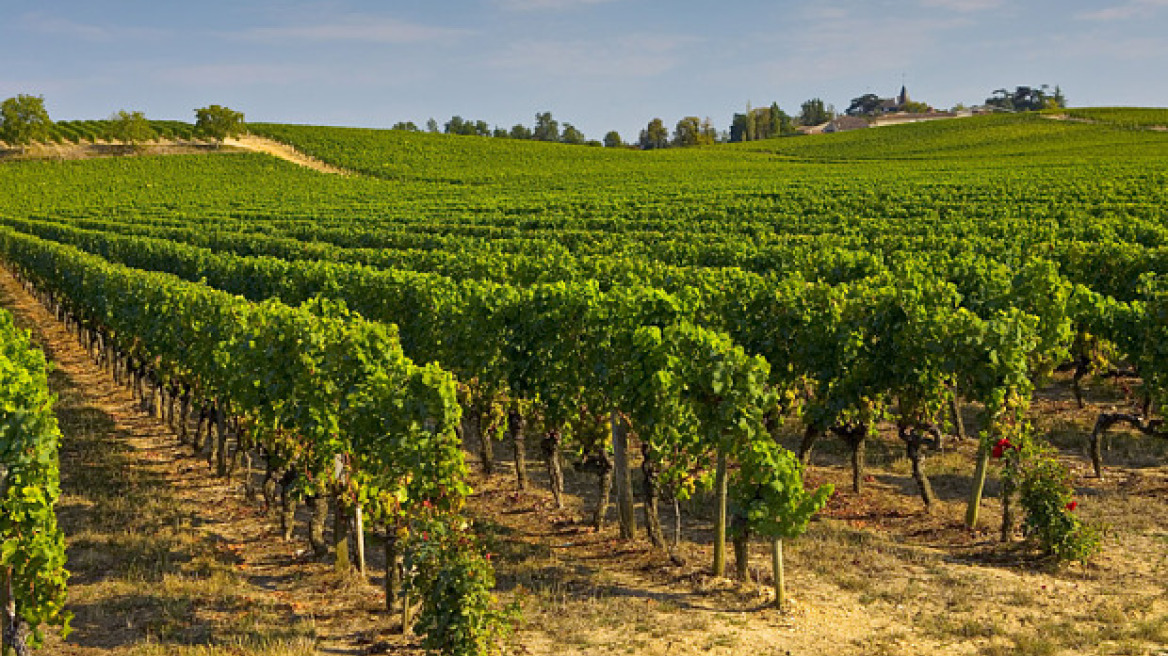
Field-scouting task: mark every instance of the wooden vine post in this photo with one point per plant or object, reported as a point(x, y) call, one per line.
point(359, 517)
point(721, 483)
point(777, 567)
point(979, 478)
point(341, 516)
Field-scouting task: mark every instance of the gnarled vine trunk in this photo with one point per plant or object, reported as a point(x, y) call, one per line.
point(1104, 423)
point(603, 487)
point(914, 443)
point(268, 486)
point(515, 424)
point(221, 451)
point(740, 531)
point(1082, 367)
point(856, 437)
point(810, 435)
point(316, 523)
point(184, 414)
point(551, 453)
point(652, 494)
point(1007, 509)
point(472, 424)
point(393, 583)
point(955, 413)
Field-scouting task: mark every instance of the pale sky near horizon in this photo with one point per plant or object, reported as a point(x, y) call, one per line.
point(598, 64)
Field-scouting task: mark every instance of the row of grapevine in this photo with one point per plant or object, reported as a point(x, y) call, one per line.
point(329, 394)
point(32, 548)
point(524, 340)
point(984, 286)
point(519, 352)
point(93, 131)
point(1129, 117)
point(992, 290)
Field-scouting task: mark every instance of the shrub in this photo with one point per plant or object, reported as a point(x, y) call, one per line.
point(1046, 494)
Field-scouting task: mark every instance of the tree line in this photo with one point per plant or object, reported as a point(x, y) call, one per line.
point(1027, 99)
point(24, 120)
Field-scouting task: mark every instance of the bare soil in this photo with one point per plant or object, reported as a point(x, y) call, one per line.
point(99, 149)
point(285, 152)
point(875, 574)
point(166, 558)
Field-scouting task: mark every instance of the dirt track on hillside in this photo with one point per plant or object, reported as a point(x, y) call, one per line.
point(283, 151)
point(101, 149)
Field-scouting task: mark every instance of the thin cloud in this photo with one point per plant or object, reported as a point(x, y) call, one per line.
point(296, 76)
point(820, 51)
point(823, 12)
point(964, 6)
point(356, 28)
point(53, 87)
point(1124, 11)
point(241, 75)
point(633, 56)
point(540, 5)
point(1131, 50)
point(50, 25)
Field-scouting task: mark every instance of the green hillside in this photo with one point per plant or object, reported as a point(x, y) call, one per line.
point(1131, 117)
point(1014, 136)
point(77, 132)
point(395, 154)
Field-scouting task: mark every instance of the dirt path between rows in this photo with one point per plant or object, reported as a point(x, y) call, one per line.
point(166, 557)
point(283, 151)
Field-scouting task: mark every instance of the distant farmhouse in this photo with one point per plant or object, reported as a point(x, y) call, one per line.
point(845, 123)
point(870, 110)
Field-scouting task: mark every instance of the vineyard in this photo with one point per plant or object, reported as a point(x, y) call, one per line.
point(32, 572)
point(882, 350)
point(77, 132)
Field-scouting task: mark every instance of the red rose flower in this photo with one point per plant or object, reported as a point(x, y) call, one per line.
point(1072, 505)
point(1001, 447)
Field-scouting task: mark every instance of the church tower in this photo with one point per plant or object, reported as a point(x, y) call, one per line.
point(902, 99)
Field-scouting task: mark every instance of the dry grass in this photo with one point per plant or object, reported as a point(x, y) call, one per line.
point(101, 149)
point(146, 577)
point(875, 575)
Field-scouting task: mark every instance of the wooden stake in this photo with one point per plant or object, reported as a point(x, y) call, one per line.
point(777, 566)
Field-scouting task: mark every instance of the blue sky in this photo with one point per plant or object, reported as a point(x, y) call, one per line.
point(598, 64)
